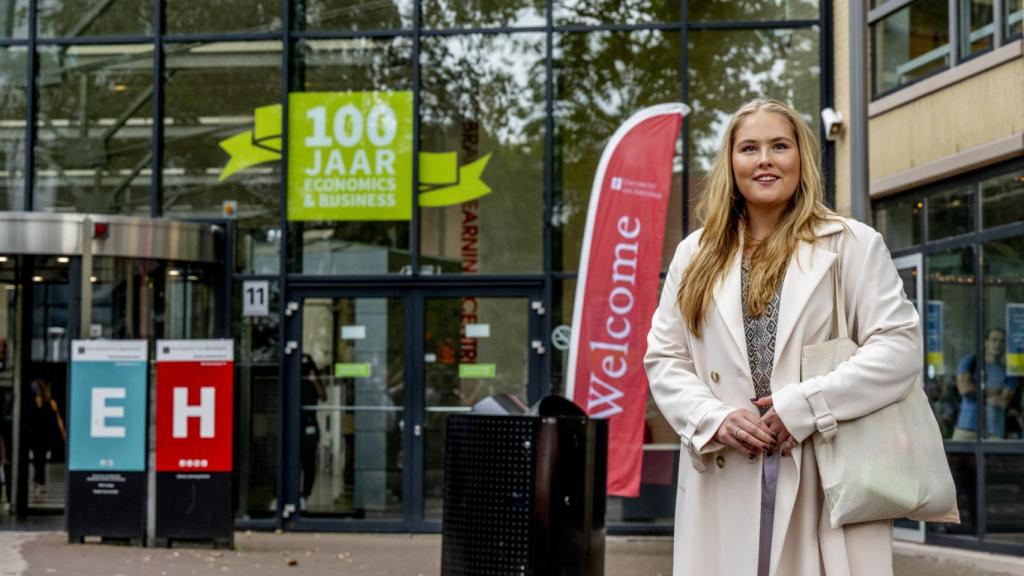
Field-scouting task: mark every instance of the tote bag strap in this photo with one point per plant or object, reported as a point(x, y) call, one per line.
point(839, 327)
point(824, 420)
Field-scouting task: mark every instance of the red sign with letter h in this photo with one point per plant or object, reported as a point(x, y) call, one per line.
point(194, 410)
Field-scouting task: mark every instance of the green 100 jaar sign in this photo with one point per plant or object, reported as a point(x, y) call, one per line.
point(350, 156)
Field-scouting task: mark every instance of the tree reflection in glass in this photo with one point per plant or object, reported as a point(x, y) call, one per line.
point(13, 112)
point(596, 12)
point(75, 18)
point(482, 13)
point(726, 10)
point(325, 15)
point(203, 17)
point(483, 96)
point(601, 79)
point(13, 18)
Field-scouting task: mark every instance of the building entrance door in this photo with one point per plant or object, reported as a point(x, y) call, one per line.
point(373, 374)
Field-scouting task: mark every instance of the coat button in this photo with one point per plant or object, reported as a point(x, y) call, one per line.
point(714, 377)
point(720, 461)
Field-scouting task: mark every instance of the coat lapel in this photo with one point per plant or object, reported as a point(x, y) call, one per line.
point(729, 302)
point(806, 269)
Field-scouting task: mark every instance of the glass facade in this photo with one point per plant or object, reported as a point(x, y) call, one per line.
point(376, 326)
point(973, 311)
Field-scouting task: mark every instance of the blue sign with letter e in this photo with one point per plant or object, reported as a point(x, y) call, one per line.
point(107, 424)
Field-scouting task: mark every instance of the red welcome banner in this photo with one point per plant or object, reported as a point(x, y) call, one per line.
point(617, 286)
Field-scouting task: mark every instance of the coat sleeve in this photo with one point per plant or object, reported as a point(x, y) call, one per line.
point(685, 400)
point(885, 326)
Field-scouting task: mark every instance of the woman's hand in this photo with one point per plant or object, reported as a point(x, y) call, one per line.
point(774, 423)
point(745, 432)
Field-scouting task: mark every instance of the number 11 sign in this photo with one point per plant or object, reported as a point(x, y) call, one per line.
point(256, 298)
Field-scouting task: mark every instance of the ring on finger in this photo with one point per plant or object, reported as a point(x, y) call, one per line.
point(736, 433)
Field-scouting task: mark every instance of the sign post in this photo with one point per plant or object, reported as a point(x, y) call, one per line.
point(194, 424)
point(107, 440)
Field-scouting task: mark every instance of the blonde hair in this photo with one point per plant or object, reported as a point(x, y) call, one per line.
point(722, 209)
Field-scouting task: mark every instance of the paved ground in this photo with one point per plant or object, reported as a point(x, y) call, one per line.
point(259, 554)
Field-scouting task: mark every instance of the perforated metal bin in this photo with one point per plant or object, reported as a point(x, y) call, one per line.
point(524, 493)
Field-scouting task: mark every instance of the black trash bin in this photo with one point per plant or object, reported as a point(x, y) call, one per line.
point(524, 493)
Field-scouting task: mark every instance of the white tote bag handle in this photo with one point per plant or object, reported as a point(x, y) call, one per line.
point(824, 420)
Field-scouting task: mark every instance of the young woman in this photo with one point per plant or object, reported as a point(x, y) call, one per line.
point(743, 296)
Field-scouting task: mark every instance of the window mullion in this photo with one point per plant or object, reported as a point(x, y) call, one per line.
point(954, 33)
point(998, 22)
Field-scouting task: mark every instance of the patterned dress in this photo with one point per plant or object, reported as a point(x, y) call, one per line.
point(760, 334)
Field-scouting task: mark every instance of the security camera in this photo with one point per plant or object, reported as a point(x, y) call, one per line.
point(833, 122)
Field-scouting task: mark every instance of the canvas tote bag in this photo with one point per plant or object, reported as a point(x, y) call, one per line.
point(887, 464)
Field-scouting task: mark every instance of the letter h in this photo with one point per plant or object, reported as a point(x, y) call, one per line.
point(204, 411)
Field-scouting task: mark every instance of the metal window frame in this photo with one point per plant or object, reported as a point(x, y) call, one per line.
point(956, 58)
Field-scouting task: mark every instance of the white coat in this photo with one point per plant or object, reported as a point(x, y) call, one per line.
point(697, 382)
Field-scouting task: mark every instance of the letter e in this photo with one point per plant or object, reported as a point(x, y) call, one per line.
point(101, 412)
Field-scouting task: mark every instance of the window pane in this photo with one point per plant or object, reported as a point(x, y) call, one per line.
point(483, 98)
point(977, 30)
point(719, 10)
point(13, 18)
point(1002, 199)
point(256, 342)
point(351, 413)
point(1004, 497)
point(950, 330)
point(189, 301)
point(354, 14)
point(13, 112)
point(729, 68)
point(601, 79)
point(594, 12)
point(123, 297)
point(212, 94)
point(482, 13)
point(356, 247)
point(899, 221)
point(94, 129)
point(951, 213)
point(1001, 372)
point(72, 18)
point(450, 382)
point(965, 476)
point(909, 44)
point(1014, 17)
point(200, 17)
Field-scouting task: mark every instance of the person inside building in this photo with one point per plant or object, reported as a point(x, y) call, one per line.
point(998, 390)
point(46, 432)
point(312, 393)
point(743, 296)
